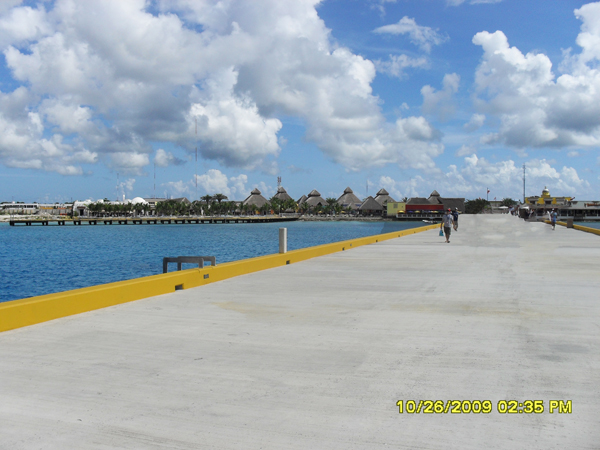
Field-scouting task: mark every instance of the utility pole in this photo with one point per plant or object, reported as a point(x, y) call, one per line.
point(196, 168)
point(278, 182)
point(154, 191)
point(523, 183)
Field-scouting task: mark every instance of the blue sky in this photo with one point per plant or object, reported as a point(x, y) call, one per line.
point(406, 95)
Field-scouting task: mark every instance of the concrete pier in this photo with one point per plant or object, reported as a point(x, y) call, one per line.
point(316, 354)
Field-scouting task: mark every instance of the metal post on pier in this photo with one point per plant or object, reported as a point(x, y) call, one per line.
point(283, 240)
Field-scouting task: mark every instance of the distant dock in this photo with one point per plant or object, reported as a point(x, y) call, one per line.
point(149, 220)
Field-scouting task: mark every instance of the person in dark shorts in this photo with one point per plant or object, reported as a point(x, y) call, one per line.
point(447, 222)
point(553, 216)
point(455, 217)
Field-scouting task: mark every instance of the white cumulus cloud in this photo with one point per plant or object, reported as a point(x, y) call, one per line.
point(165, 159)
point(423, 37)
point(111, 77)
point(535, 107)
point(441, 103)
point(397, 64)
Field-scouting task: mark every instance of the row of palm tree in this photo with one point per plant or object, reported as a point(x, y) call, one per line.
point(101, 209)
point(211, 205)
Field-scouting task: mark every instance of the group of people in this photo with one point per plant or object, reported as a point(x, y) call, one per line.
point(449, 221)
point(552, 216)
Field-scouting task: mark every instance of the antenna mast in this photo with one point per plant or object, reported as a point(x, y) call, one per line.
point(523, 183)
point(196, 169)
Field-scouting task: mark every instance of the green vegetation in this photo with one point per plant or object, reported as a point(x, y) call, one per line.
point(508, 202)
point(476, 206)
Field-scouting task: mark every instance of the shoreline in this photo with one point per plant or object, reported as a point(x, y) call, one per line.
point(32, 217)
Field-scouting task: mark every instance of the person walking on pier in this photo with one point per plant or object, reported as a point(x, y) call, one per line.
point(455, 217)
point(553, 216)
point(447, 223)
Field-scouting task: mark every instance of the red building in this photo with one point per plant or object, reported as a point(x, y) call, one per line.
point(434, 203)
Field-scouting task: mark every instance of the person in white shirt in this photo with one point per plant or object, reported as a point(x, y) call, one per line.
point(447, 223)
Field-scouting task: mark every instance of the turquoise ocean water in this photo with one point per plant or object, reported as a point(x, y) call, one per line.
point(40, 260)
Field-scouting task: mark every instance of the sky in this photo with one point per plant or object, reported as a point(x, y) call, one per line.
point(172, 98)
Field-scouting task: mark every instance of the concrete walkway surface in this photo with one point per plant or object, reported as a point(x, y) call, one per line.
point(315, 355)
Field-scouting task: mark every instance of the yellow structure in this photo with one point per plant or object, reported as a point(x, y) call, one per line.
point(547, 199)
point(395, 208)
point(29, 311)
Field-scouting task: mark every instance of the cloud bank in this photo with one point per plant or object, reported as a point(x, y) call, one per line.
point(535, 107)
point(101, 81)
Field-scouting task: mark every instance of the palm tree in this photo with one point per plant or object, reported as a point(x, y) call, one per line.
point(290, 205)
point(275, 204)
point(138, 208)
point(304, 208)
point(265, 208)
point(219, 197)
point(331, 203)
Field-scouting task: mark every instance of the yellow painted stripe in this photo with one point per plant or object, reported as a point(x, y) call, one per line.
point(579, 227)
point(29, 311)
point(587, 229)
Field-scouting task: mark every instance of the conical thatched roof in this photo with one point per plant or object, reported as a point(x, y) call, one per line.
point(435, 198)
point(349, 200)
point(255, 199)
point(383, 197)
point(301, 200)
point(282, 194)
point(369, 204)
point(314, 198)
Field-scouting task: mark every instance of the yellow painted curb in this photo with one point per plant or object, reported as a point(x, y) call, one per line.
point(29, 311)
point(587, 229)
point(579, 227)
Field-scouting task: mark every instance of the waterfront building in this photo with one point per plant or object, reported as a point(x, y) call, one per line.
point(546, 201)
point(255, 199)
point(314, 199)
point(301, 200)
point(394, 208)
point(54, 209)
point(567, 207)
point(282, 194)
point(434, 204)
point(383, 197)
point(19, 208)
point(370, 206)
point(348, 200)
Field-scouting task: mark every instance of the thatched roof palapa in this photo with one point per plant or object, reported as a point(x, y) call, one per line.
point(301, 200)
point(349, 200)
point(255, 199)
point(314, 198)
point(282, 194)
point(384, 197)
point(369, 204)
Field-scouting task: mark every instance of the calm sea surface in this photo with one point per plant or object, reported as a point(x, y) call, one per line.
point(40, 260)
point(589, 224)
